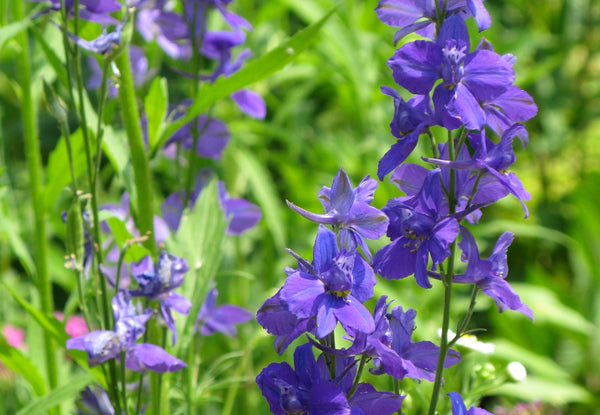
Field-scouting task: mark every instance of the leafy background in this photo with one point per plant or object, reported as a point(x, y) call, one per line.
point(325, 110)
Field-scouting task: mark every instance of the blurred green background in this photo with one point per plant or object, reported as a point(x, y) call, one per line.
point(325, 111)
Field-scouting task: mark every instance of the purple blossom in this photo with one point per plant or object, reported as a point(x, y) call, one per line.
point(493, 160)
point(489, 274)
point(158, 282)
point(212, 319)
point(139, 69)
point(170, 30)
point(309, 389)
point(102, 345)
point(242, 215)
point(92, 10)
point(410, 119)
point(391, 347)
point(348, 210)
point(421, 15)
point(467, 78)
point(459, 407)
point(94, 401)
point(418, 229)
point(213, 135)
point(275, 317)
point(333, 289)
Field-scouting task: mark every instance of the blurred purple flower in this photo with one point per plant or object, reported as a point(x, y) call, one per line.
point(104, 44)
point(421, 15)
point(212, 319)
point(348, 210)
point(97, 11)
point(333, 289)
point(242, 215)
point(170, 30)
point(459, 407)
point(139, 69)
point(489, 274)
point(213, 135)
point(158, 282)
point(94, 401)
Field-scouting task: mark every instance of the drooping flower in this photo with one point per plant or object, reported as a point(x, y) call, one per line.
point(333, 289)
point(468, 78)
point(104, 44)
point(421, 15)
point(410, 119)
point(348, 210)
point(158, 282)
point(489, 274)
point(493, 160)
point(212, 319)
point(418, 229)
point(459, 407)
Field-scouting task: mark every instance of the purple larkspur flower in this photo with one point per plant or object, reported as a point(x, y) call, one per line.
point(242, 215)
point(94, 401)
point(213, 135)
point(459, 407)
point(333, 289)
point(348, 210)
point(421, 15)
point(158, 282)
point(308, 389)
point(493, 160)
point(467, 78)
point(212, 319)
point(391, 347)
point(410, 119)
point(169, 29)
point(275, 317)
point(97, 11)
point(490, 274)
point(418, 229)
point(102, 345)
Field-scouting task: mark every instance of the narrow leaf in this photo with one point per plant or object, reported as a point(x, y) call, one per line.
point(11, 30)
point(155, 104)
point(66, 392)
point(259, 69)
point(17, 362)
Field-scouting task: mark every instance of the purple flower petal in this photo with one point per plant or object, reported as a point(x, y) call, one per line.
point(143, 357)
point(251, 103)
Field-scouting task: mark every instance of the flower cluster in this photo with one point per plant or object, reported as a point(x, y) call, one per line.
point(470, 92)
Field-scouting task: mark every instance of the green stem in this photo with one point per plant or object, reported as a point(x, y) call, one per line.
point(397, 392)
point(447, 281)
point(124, 383)
point(34, 165)
point(139, 160)
point(361, 366)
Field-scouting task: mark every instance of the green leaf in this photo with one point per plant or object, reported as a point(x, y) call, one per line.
point(9, 229)
point(17, 362)
point(537, 389)
point(155, 104)
point(56, 330)
point(56, 174)
point(135, 252)
point(548, 309)
point(67, 392)
point(540, 365)
point(199, 240)
point(52, 57)
point(264, 190)
point(259, 69)
point(11, 30)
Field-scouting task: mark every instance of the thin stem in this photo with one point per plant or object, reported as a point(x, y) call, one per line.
point(434, 150)
point(397, 392)
point(124, 383)
point(138, 404)
point(447, 281)
point(34, 165)
point(361, 367)
point(99, 129)
point(465, 323)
